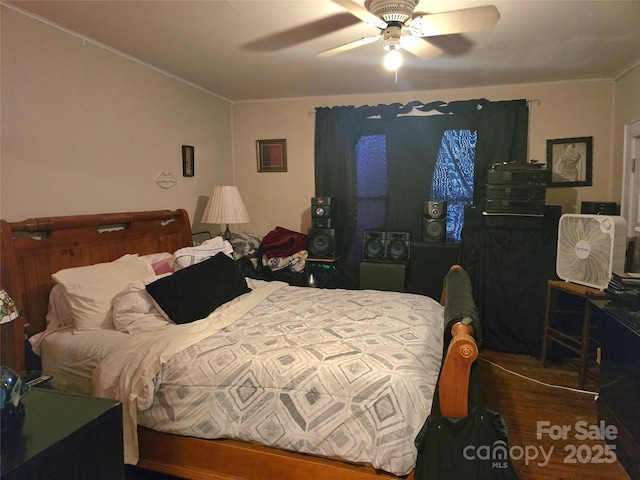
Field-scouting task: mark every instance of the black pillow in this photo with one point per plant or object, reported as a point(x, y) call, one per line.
point(194, 292)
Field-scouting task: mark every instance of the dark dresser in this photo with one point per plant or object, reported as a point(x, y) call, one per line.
point(619, 394)
point(66, 437)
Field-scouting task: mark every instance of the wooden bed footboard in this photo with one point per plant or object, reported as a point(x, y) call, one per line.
point(32, 250)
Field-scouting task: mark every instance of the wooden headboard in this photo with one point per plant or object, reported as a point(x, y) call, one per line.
point(34, 249)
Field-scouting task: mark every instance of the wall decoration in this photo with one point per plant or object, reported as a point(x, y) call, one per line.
point(188, 161)
point(272, 155)
point(570, 162)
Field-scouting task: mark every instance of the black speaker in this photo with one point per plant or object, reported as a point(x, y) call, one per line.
point(321, 207)
point(397, 247)
point(434, 224)
point(321, 222)
point(373, 246)
point(599, 208)
point(321, 243)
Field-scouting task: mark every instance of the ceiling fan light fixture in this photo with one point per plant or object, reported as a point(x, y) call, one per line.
point(392, 10)
point(391, 37)
point(393, 60)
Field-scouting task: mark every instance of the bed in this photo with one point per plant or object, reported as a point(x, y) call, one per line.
point(312, 382)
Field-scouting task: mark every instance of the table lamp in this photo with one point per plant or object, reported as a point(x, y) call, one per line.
point(12, 389)
point(225, 206)
point(8, 310)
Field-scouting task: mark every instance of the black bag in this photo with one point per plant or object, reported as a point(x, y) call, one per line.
point(473, 447)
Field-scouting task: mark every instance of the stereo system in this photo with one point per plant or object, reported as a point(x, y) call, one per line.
point(434, 221)
point(386, 247)
point(321, 237)
point(516, 188)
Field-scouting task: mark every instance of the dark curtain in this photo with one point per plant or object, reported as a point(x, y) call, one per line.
point(509, 269)
point(412, 147)
point(337, 132)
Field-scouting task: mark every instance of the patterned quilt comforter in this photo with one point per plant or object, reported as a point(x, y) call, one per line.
point(346, 374)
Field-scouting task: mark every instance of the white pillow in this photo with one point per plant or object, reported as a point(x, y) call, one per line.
point(59, 311)
point(90, 290)
point(135, 311)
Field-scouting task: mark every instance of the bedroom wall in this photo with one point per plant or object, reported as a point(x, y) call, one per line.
point(626, 110)
point(560, 110)
point(86, 130)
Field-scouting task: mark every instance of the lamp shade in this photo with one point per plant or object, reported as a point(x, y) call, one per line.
point(225, 206)
point(8, 310)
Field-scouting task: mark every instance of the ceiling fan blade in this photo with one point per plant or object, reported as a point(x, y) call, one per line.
point(349, 46)
point(420, 47)
point(303, 33)
point(362, 13)
point(453, 45)
point(456, 21)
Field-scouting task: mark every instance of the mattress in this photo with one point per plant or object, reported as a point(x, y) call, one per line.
point(71, 359)
point(346, 374)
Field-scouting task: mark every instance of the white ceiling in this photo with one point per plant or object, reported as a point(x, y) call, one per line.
point(207, 43)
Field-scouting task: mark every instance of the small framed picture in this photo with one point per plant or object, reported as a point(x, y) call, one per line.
point(188, 161)
point(570, 162)
point(272, 155)
point(200, 237)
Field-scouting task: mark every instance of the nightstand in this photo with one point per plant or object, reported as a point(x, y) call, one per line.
point(66, 436)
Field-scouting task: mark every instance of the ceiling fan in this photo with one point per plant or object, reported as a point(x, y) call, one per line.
point(403, 28)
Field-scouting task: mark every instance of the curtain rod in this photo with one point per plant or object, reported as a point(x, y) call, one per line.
point(529, 101)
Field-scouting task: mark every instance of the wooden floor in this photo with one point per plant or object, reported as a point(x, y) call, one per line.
point(524, 402)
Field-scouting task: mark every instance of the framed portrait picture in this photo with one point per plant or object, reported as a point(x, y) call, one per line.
point(272, 155)
point(200, 237)
point(188, 161)
point(570, 162)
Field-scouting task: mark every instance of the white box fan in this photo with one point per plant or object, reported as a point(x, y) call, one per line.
point(590, 247)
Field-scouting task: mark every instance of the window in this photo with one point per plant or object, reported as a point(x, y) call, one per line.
point(452, 180)
point(453, 177)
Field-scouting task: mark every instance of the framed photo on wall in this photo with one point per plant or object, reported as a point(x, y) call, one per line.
point(188, 161)
point(272, 155)
point(570, 162)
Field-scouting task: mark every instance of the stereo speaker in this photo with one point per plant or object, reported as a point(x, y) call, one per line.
point(321, 222)
point(321, 243)
point(382, 276)
point(434, 224)
point(397, 247)
point(373, 246)
point(599, 208)
point(321, 207)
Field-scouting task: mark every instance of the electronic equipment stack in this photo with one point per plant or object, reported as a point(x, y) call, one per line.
point(323, 268)
point(515, 194)
point(321, 237)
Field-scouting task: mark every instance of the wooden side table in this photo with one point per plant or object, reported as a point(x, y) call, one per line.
point(578, 345)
